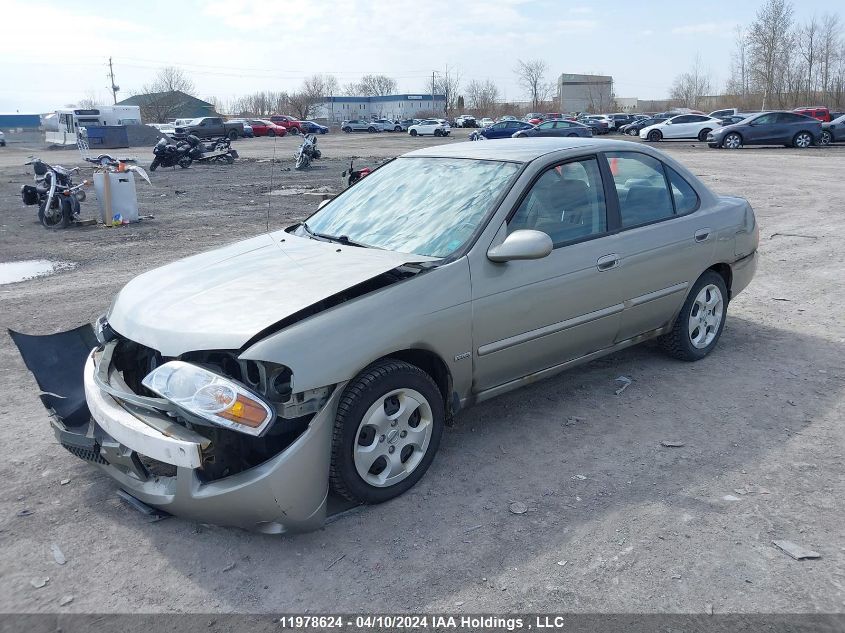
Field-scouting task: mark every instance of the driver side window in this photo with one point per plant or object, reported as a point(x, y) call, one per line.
point(566, 202)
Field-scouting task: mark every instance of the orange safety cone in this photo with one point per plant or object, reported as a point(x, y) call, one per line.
point(614, 166)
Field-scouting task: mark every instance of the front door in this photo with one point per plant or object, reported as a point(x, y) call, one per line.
point(532, 315)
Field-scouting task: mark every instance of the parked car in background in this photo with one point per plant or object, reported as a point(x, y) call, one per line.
point(165, 128)
point(310, 127)
point(731, 120)
point(508, 117)
point(503, 129)
point(718, 114)
point(2, 139)
point(181, 122)
point(465, 120)
point(406, 123)
point(770, 128)
point(210, 127)
point(535, 259)
point(291, 124)
point(486, 122)
point(432, 127)
point(633, 129)
point(619, 119)
point(817, 112)
point(556, 127)
point(834, 131)
point(683, 126)
point(534, 118)
point(263, 127)
point(388, 126)
point(248, 131)
point(599, 124)
point(360, 125)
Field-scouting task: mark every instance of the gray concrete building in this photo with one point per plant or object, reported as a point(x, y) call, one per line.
point(585, 93)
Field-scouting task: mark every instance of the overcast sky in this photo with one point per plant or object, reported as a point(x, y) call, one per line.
point(234, 47)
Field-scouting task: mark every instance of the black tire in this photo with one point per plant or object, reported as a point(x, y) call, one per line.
point(374, 382)
point(798, 141)
point(413, 132)
point(827, 137)
point(271, 133)
point(678, 343)
point(185, 162)
point(233, 134)
point(633, 132)
point(293, 130)
point(154, 165)
point(702, 136)
point(55, 221)
point(397, 128)
point(655, 136)
point(323, 131)
point(571, 134)
point(347, 129)
point(229, 159)
point(371, 130)
point(438, 133)
point(730, 141)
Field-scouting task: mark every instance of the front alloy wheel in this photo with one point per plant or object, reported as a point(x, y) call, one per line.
point(654, 136)
point(387, 430)
point(732, 141)
point(826, 137)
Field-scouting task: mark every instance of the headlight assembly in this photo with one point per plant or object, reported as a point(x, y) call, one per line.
point(210, 396)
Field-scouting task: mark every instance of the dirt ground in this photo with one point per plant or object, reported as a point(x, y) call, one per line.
point(641, 527)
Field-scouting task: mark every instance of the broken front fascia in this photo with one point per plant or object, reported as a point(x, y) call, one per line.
point(287, 492)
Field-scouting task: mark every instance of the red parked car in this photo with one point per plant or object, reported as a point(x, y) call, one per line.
point(294, 126)
point(817, 112)
point(263, 127)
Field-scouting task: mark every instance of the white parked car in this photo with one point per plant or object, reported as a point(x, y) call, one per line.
point(690, 126)
point(389, 126)
point(164, 128)
point(430, 126)
point(486, 122)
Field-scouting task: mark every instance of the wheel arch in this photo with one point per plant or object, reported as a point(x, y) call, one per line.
point(432, 364)
point(724, 270)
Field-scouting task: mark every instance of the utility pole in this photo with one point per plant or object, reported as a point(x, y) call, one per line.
point(114, 87)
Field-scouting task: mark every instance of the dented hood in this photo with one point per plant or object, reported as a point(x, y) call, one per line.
point(223, 298)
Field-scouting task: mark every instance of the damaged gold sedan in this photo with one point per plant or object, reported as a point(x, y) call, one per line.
point(241, 385)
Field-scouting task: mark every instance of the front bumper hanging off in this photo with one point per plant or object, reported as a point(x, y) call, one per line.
point(286, 493)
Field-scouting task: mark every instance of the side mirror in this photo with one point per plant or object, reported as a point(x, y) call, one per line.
point(524, 244)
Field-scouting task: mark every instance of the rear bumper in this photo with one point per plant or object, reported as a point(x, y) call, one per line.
point(742, 272)
point(287, 493)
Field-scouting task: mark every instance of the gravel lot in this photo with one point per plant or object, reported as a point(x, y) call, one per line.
point(641, 527)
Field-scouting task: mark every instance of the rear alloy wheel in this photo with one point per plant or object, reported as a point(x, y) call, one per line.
point(438, 133)
point(347, 129)
point(233, 135)
point(700, 321)
point(732, 141)
point(654, 136)
point(387, 430)
point(702, 136)
point(633, 132)
point(398, 128)
point(827, 137)
point(413, 132)
point(802, 140)
point(271, 133)
point(293, 130)
point(371, 130)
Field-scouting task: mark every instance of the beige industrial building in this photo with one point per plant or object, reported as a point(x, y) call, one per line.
point(585, 93)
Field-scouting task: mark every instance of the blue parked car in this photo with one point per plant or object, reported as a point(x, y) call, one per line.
point(309, 127)
point(502, 129)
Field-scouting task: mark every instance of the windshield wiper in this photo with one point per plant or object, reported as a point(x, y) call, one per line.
point(340, 239)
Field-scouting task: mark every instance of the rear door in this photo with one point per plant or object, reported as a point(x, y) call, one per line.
point(663, 244)
point(546, 129)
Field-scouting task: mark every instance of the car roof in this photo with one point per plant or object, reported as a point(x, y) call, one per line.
point(512, 149)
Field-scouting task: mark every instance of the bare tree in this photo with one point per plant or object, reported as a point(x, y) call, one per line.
point(832, 51)
point(531, 76)
point(448, 83)
point(165, 95)
point(372, 86)
point(808, 38)
point(691, 86)
point(739, 82)
point(769, 37)
point(482, 96)
point(313, 91)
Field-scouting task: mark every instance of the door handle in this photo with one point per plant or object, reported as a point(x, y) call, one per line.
point(607, 262)
point(701, 235)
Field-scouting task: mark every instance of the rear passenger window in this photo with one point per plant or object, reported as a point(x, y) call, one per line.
point(566, 202)
point(641, 187)
point(686, 200)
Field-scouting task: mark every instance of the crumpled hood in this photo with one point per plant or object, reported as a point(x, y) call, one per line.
point(222, 298)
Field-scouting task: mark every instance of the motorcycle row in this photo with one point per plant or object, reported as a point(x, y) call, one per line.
point(58, 198)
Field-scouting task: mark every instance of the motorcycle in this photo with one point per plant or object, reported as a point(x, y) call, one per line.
point(353, 175)
point(169, 154)
point(307, 152)
point(55, 194)
point(217, 151)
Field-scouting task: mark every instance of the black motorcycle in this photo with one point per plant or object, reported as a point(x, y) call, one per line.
point(216, 151)
point(169, 154)
point(55, 194)
point(307, 152)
